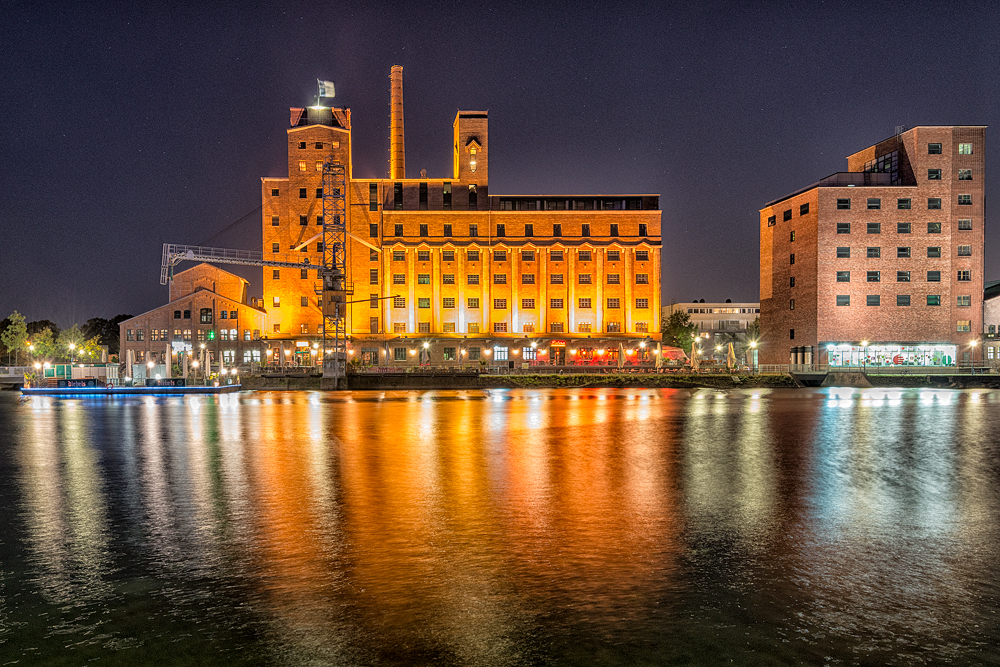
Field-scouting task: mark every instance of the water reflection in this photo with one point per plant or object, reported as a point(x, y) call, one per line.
point(504, 527)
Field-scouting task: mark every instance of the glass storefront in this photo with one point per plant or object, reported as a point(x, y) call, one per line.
point(891, 355)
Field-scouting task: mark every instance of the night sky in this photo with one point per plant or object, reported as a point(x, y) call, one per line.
point(125, 126)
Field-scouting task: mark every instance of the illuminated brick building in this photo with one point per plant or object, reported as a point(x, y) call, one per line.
point(444, 272)
point(889, 253)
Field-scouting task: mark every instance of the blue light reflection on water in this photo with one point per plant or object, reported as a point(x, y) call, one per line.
point(502, 527)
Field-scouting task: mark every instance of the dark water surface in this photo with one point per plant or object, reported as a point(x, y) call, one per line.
point(623, 527)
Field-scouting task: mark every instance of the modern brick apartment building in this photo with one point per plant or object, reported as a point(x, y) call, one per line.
point(888, 253)
point(444, 272)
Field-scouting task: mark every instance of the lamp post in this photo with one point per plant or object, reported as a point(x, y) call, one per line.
point(972, 354)
point(38, 369)
point(753, 355)
point(864, 355)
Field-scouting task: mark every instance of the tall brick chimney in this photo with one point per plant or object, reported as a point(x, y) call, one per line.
point(397, 154)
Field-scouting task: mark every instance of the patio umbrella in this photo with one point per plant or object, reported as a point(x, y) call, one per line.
point(730, 357)
point(167, 361)
point(621, 356)
point(694, 361)
point(659, 355)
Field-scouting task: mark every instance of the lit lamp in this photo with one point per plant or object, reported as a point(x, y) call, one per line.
point(38, 368)
point(72, 350)
point(864, 355)
point(973, 343)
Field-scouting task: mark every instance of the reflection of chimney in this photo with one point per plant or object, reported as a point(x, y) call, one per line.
point(397, 154)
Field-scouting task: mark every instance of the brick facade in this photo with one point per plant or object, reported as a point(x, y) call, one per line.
point(891, 223)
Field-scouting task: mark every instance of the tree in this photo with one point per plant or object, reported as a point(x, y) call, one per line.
point(106, 330)
point(40, 325)
point(753, 330)
point(45, 345)
point(72, 336)
point(678, 331)
point(14, 334)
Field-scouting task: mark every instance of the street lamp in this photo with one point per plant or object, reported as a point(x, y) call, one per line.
point(972, 361)
point(38, 369)
point(864, 355)
point(72, 350)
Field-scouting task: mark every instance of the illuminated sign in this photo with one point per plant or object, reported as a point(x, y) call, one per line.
point(180, 346)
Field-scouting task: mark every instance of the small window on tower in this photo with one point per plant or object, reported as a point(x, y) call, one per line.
point(472, 159)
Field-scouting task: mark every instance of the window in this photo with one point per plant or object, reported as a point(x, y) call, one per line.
point(874, 227)
point(448, 302)
point(423, 327)
point(501, 229)
point(642, 304)
point(584, 255)
point(964, 301)
point(642, 255)
point(373, 276)
point(527, 255)
point(397, 230)
point(527, 278)
point(843, 204)
point(446, 197)
point(843, 276)
point(206, 315)
point(791, 258)
point(500, 327)
point(557, 229)
point(965, 200)
point(614, 303)
point(964, 325)
point(399, 302)
point(319, 220)
point(873, 300)
point(964, 225)
point(304, 301)
point(772, 220)
point(303, 274)
point(642, 279)
point(965, 149)
point(372, 257)
point(275, 247)
point(585, 229)
point(933, 227)
point(397, 278)
point(874, 276)
point(223, 315)
point(277, 328)
point(397, 196)
point(556, 255)
point(614, 327)
point(277, 302)
point(903, 204)
point(556, 278)
point(791, 304)
point(447, 230)
point(399, 353)
point(791, 334)
point(232, 314)
point(447, 278)
point(614, 279)
point(902, 299)
point(129, 335)
point(187, 314)
point(423, 255)
point(843, 228)
point(786, 216)
point(843, 252)
point(902, 276)
point(154, 334)
point(585, 303)
point(422, 196)
point(302, 165)
point(302, 193)
point(499, 278)
point(556, 327)
point(276, 274)
point(449, 354)
point(556, 303)
point(275, 221)
point(373, 301)
point(500, 304)
point(965, 174)
point(964, 275)
point(275, 192)
point(934, 251)
point(529, 229)
point(472, 279)
point(585, 279)
point(933, 276)
point(423, 279)
point(902, 228)
point(614, 255)
point(474, 351)
point(614, 229)
point(934, 203)
point(319, 247)
point(472, 255)
point(791, 281)
point(874, 253)
point(874, 203)
point(933, 174)
point(902, 252)
point(424, 302)
point(528, 304)
point(804, 208)
point(791, 236)
point(584, 327)
point(423, 230)
point(474, 202)
point(472, 302)
point(499, 255)
point(934, 149)
point(965, 251)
